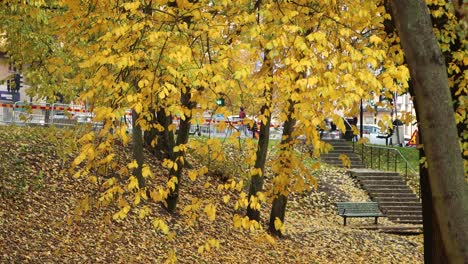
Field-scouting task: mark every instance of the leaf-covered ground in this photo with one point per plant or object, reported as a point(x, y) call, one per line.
point(38, 220)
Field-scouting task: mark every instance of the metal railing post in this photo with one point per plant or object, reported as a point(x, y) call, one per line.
point(406, 169)
point(362, 154)
point(380, 157)
point(388, 159)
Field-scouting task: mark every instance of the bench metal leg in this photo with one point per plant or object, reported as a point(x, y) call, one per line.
point(344, 220)
point(376, 220)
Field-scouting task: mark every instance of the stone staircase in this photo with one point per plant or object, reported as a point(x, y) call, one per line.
point(341, 146)
point(396, 200)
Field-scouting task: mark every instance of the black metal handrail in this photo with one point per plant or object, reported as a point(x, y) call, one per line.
point(385, 158)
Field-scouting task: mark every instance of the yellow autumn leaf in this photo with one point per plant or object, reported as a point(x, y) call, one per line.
point(160, 225)
point(201, 249)
point(129, 98)
point(109, 183)
point(146, 171)
point(278, 224)
point(133, 183)
point(270, 239)
point(93, 179)
point(133, 165)
point(375, 39)
point(171, 258)
point(210, 211)
point(138, 107)
point(192, 175)
point(214, 243)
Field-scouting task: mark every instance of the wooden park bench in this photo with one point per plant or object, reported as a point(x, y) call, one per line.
point(359, 209)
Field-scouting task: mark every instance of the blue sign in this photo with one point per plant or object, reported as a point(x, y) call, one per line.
point(9, 96)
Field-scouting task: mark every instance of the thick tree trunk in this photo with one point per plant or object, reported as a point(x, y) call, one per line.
point(165, 139)
point(446, 180)
point(279, 202)
point(256, 182)
point(432, 235)
point(432, 238)
point(137, 148)
point(455, 45)
point(179, 156)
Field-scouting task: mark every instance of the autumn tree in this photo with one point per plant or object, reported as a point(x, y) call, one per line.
point(299, 61)
point(446, 181)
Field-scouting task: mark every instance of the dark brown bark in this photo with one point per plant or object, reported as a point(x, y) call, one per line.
point(455, 44)
point(433, 252)
point(137, 148)
point(430, 227)
point(179, 156)
point(165, 139)
point(256, 182)
point(278, 210)
point(448, 189)
point(279, 202)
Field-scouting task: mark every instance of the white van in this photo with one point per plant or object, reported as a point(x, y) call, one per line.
point(374, 134)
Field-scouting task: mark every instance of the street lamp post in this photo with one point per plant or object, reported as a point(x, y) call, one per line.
point(361, 117)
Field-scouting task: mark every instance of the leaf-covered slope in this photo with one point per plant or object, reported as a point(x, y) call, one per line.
point(37, 223)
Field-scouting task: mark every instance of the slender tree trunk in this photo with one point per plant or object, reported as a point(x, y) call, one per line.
point(137, 148)
point(151, 134)
point(256, 182)
point(279, 202)
point(179, 156)
point(165, 139)
point(278, 210)
point(446, 180)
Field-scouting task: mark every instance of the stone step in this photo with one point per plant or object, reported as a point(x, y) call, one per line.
point(382, 182)
point(336, 141)
point(392, 195)
point(388, 187)
point(402, 213)
point(399, 219)
point(341, 151)
point(333, 162)
point(341, 144)
point(380, 178)
point(357, 166)
point(411, 222)
point(330, 160)
point(336, 155)
point(399, 199)
point(357, 173)
point(402, 208)
point(338, 158)
point(353, 166)
point(338, 152)
point(384, 204)
point(402, 190)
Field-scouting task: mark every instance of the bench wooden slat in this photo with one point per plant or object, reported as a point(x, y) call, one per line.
point(358, 209)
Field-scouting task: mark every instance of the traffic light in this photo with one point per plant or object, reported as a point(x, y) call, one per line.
point(220, 101)
point(18, 78)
